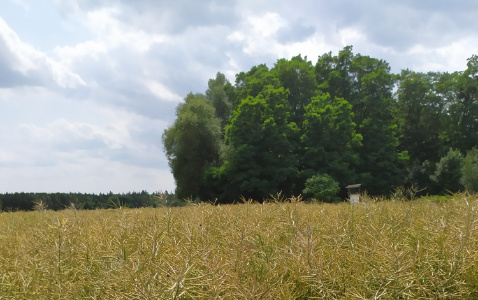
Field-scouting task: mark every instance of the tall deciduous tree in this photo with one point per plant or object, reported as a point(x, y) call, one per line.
point(261, 161)
point(329, 139)
point(418, 114)
point(466, 109)
point(253, 82)
point(382, 166)
point(367, 84)
point(217, 95)
point(334, 74)
point(192, 145)
point(297, 76)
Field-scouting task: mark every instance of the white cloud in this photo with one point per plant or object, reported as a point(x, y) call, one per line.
point(451, 56)
point(257, 35)
point(24, 57)
point(63, 76)
point(33, 64)
point(69, 54)
point(350, 36)
point(161, 91)
point(110, 32)
point(68, 136)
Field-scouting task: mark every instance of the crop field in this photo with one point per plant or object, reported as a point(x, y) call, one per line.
point(422, 249)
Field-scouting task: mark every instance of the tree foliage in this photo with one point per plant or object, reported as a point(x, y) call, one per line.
point(192, 144)
point(60, 201)
point(465, 109)
point(346, 118)
point(322, 187)
point(217, 95)
point(329, 141)
point(297, 76)
point(418, 114)
point(469, 178)
point(367, 84)
point(448, 173)
point(260, 161)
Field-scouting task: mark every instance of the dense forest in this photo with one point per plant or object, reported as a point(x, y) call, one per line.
point(299, 128)
point(59, 201)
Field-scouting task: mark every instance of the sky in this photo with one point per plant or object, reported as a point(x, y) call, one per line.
point(87, 87)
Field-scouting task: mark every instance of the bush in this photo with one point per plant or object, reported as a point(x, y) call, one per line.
point(322, 187)
point(470, 171)
point(447, 176)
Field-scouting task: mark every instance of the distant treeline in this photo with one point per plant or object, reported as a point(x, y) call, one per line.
point(58, 201)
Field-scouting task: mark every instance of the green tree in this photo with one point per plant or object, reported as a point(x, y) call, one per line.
point(470, 171)
point(367, 84)
point(419, 116)
point(253, 83)
point(465, 110)
point(329, 140)
point(381, 166)
point(192, 145)
point(444, 86)
point(334, 74)
point(217, 95)
point(297, 76)
point(260, 161)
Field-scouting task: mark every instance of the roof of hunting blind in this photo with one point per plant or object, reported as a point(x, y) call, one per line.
point(353, 186)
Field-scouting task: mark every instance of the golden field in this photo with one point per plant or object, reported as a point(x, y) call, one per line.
point(422, 249)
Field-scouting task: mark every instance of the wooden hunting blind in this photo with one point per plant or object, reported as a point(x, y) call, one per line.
point(354, 192)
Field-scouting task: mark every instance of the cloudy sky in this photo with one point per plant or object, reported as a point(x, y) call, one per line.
point(88, 86)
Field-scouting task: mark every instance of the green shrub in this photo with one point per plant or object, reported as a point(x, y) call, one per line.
point(322, 187)
point(447, 176)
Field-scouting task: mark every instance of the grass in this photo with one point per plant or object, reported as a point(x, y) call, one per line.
point(423, 249)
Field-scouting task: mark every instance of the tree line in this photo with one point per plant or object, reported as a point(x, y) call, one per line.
point(311, 129)
point(59, 201)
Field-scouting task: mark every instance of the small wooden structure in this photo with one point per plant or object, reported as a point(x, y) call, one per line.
point(354, 192)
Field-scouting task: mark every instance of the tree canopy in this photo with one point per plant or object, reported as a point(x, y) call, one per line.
point(192, 144)
point(345, 119)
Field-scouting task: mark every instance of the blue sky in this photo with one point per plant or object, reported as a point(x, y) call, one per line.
point(88, 86)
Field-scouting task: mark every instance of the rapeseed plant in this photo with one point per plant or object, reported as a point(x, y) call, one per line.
point(288, 249)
